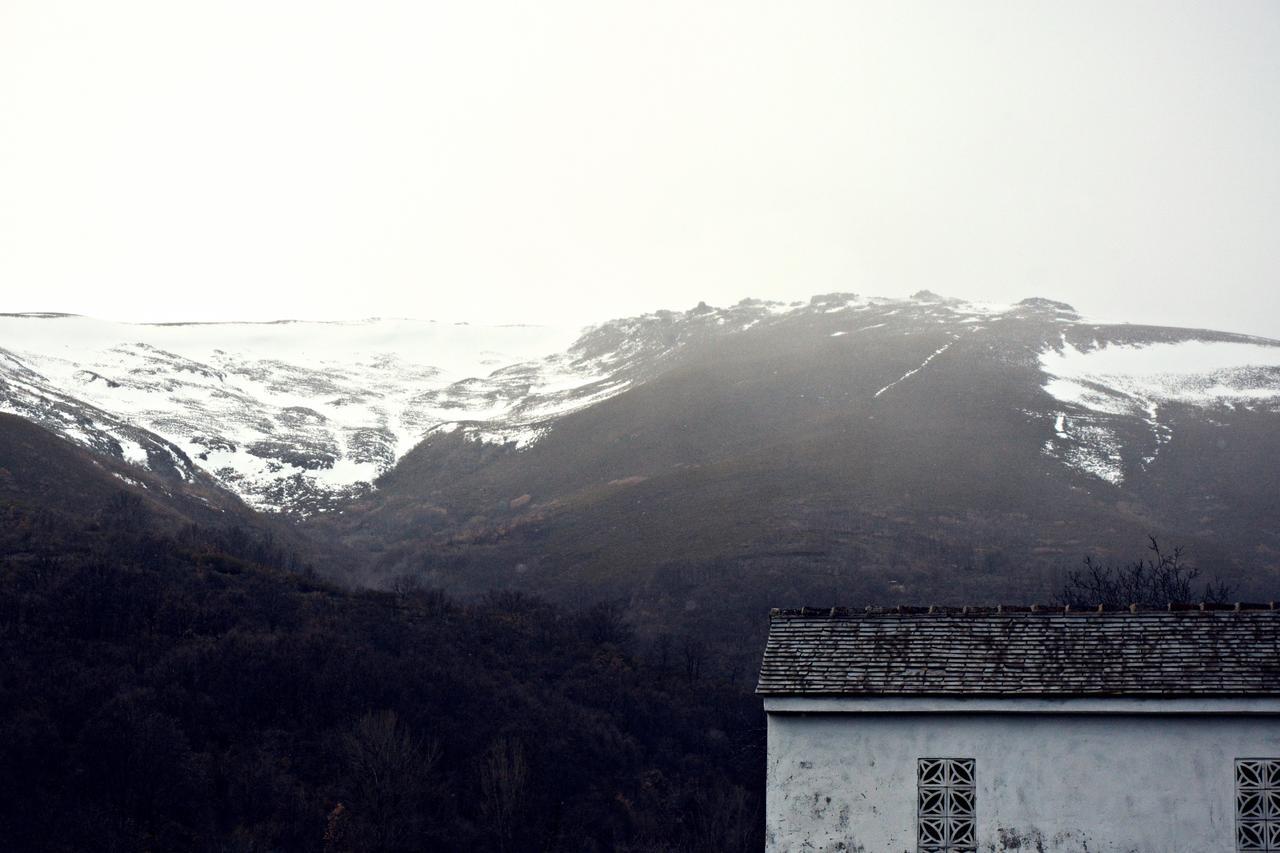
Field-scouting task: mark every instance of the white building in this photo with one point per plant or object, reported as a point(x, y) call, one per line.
point(924, 730)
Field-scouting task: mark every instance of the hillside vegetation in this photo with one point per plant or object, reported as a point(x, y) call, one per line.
point(198, 689)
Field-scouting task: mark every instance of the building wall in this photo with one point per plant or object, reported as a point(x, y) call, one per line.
point(1046, 782)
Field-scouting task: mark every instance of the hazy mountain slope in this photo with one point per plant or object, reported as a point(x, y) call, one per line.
point(59, 483)
point(884, 448)
point(874, 449)
point(40, 469)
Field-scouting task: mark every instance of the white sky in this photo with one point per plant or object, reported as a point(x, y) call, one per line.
point(552, 161)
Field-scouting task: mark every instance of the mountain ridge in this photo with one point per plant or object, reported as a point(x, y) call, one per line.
point(838, 456)
point(502, 437)
point(707, 463)
point(493, 399)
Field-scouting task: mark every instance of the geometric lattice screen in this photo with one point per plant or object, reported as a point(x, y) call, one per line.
point(1258, 804)
point(945, 816)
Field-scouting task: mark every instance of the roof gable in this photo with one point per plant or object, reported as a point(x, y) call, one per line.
point(1024, 652)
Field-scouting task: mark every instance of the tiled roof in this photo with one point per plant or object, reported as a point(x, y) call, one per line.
point(1231, 650)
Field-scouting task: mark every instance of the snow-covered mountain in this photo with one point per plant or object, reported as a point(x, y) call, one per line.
point(301, 416)
point(288, 415)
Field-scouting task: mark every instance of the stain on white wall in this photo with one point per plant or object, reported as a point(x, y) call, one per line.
point(1046, 782)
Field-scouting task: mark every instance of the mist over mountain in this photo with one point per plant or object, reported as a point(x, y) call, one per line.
point(847, 448)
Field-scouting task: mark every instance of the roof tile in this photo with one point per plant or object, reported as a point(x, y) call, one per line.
point(1232, 651)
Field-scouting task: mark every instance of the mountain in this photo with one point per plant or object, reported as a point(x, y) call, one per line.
point(40, 470)
point(300, 417)
point(848, 447)
point(290, 416)
point(854, 449)
point(52, 482)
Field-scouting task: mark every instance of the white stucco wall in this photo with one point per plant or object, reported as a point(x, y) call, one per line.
point(1048, 781)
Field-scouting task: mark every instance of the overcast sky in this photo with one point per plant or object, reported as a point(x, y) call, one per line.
point(571, 161)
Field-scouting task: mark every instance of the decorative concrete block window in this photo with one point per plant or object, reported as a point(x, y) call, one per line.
point(945, 815)
point(1258, 804)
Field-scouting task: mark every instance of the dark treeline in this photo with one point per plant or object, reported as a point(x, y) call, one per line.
point(200, 690)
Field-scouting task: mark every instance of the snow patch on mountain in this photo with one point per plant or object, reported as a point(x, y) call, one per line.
point(1195, 372)
point(913, 371)
point(1107, 382)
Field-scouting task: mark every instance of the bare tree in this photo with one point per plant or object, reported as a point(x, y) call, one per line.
point(695, 658)
point(392, 774)
point(405, 586)
point(504, 776)
point(662, 652)
point(722, 820)
point(1156, 581)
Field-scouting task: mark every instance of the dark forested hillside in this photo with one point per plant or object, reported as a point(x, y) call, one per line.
point(198, 689)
